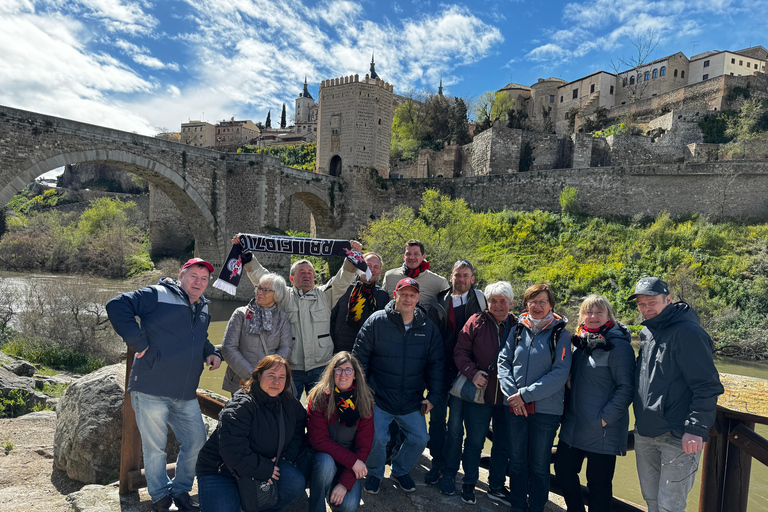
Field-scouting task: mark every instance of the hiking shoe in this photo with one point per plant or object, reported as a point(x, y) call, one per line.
point(448, 485)
point(432, 476)
point(185, 504)
point(501, 495)
point(372, 484)
point(468, 494)
point(163, 504)
point(405, 482)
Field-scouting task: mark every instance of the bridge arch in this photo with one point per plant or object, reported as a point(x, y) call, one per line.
point(318, 197)
point(189, 201)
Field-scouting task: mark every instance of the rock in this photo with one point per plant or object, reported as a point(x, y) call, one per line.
point(10, 383)
point(102, 498)
point(52, 403)
point(21, 368)
point(39, 416)
point(89, 426)
point(51, 380)
point(5, 358)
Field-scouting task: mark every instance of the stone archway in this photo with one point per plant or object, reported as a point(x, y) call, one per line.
point(182, 193)
point(335, 166)
point(322, 223)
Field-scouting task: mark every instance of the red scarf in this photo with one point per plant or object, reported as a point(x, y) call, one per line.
point(413, 273)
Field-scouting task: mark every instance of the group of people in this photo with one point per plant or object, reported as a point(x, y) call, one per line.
point(365, 355)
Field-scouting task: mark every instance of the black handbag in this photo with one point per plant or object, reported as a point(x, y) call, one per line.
point(255, 494)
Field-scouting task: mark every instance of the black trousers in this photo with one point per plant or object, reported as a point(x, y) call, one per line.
point(600, 469)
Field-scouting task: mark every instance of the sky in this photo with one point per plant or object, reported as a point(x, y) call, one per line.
point(149, 65)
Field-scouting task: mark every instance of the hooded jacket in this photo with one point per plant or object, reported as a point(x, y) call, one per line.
point(400, 364)
point(602, 388)
point(174, 332)
point(529, 368)
point(676, 382)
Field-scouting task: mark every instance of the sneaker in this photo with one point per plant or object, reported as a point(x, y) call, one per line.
point(468, 494)
point(163, 504)
point(501, 495)
point(405, 482)
point(432, 477)
point(448, 486)
point(185, 504)
point(372, 484)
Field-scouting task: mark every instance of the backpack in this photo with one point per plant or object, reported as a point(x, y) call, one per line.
point(554, 337)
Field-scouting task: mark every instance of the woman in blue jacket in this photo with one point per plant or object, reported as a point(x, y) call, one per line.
point(533, 368)
point(597, 409)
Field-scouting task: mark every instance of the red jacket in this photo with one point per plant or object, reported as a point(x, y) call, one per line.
point(319, 438)
point(477, 348)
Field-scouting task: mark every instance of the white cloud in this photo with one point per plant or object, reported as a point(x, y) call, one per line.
point(140, 55)
point(118, 16)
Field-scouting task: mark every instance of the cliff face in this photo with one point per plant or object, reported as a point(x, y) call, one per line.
point(98, 176)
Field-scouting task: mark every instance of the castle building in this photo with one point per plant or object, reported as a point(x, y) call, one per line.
point(305, 118)
point(354, 123)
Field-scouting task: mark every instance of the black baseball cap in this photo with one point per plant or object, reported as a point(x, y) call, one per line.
point(650, 286)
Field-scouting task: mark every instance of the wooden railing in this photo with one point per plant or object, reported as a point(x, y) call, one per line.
point(724, 468)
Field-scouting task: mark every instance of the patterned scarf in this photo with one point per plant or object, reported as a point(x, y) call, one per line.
point(589, 339)
point(536, 325)
point(259, 319)
point(361, 295)
point(345, 403)
point(413, 273)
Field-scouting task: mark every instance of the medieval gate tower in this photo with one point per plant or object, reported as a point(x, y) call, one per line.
point(354, 124)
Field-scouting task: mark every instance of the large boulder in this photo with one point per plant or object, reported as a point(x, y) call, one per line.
point(21, 393)
point(21, 368)
point(89, 426)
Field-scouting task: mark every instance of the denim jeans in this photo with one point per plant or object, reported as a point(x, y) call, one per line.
point(665, 471)
point(154, 414)
point(305, 381)
point(322, 481)
point(530, 454)
point(437, 434)
point(600, 469)
point(412, 426)
point(219, 493)
point(477, 418)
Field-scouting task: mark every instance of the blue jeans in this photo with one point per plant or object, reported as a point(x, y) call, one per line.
point(154, 414)
point(477, 418)
point(305, 381)
point(530, 454)
point(415, 429)
point(324, 470)
point(437, 434)
point(219, 493)
point(665, 471)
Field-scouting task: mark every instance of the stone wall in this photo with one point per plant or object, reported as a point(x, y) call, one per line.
point(101, 176)
point(639, 150)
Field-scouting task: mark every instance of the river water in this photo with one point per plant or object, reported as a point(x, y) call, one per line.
point(625, 482)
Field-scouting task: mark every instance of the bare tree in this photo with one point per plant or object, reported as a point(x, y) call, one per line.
point(629, 71)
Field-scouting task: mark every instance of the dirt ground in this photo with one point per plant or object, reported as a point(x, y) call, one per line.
point(30, 483)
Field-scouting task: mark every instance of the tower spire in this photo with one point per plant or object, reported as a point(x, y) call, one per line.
point(373, 68)
point(440, 87)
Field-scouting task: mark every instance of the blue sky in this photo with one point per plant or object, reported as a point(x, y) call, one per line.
point(146, 65)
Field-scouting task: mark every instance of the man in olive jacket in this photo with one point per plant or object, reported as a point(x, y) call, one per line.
point(676, 390)
point(401, 352)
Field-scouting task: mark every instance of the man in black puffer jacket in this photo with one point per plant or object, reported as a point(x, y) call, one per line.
point(401, 352)
point(676, 390)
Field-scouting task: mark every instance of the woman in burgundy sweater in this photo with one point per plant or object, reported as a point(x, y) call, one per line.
point(340, 429)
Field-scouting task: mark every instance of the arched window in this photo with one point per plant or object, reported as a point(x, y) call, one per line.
point(663, 71)
point(647, 75)
point(335, 167)
point(631, 80)
point(682, 74)
point(655, 73)
point(675, 73)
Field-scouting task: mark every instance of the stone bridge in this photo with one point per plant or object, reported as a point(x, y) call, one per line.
point(219, 194)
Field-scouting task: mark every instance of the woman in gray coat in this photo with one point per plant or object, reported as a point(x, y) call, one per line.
point(255, 331)
point(597, 409)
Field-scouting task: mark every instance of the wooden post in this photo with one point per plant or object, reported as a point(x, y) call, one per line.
point(712, 465)
point(130, 446)
point(738, 467)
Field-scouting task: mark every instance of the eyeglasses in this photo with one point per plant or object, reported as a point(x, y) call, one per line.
point(538, 303)
point(345, 371)
point(263, 290)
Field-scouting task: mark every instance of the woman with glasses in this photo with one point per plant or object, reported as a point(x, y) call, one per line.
point(340, 429)
point(255, 331)
point(533, 368)
point(597, 410)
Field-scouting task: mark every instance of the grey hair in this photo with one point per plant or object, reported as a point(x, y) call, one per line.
point(278, 285)
point(300, 262)
point(463, 264)
point(502, 288)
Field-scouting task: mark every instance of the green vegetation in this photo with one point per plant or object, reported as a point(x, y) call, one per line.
point(430, 122)
point(27, 201)
point(101, 241)
point(7, 445)
point(617, 129)
point(721, 269)
point(13, 404)
point(491, 106)
point(53, 357)
point(55, 390)
point(738, 127)
point(298, 157)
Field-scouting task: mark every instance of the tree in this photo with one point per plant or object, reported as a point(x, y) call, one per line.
point(282, 117)
point(752, 119)
point(491, 106)
point(268, 122)
point(629, 70)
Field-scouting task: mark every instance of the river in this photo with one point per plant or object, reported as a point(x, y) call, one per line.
point(625, 482)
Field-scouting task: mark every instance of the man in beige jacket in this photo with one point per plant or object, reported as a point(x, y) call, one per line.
point(416, 267)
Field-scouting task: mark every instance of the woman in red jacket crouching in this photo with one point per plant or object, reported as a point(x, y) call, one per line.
point(340, 429)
